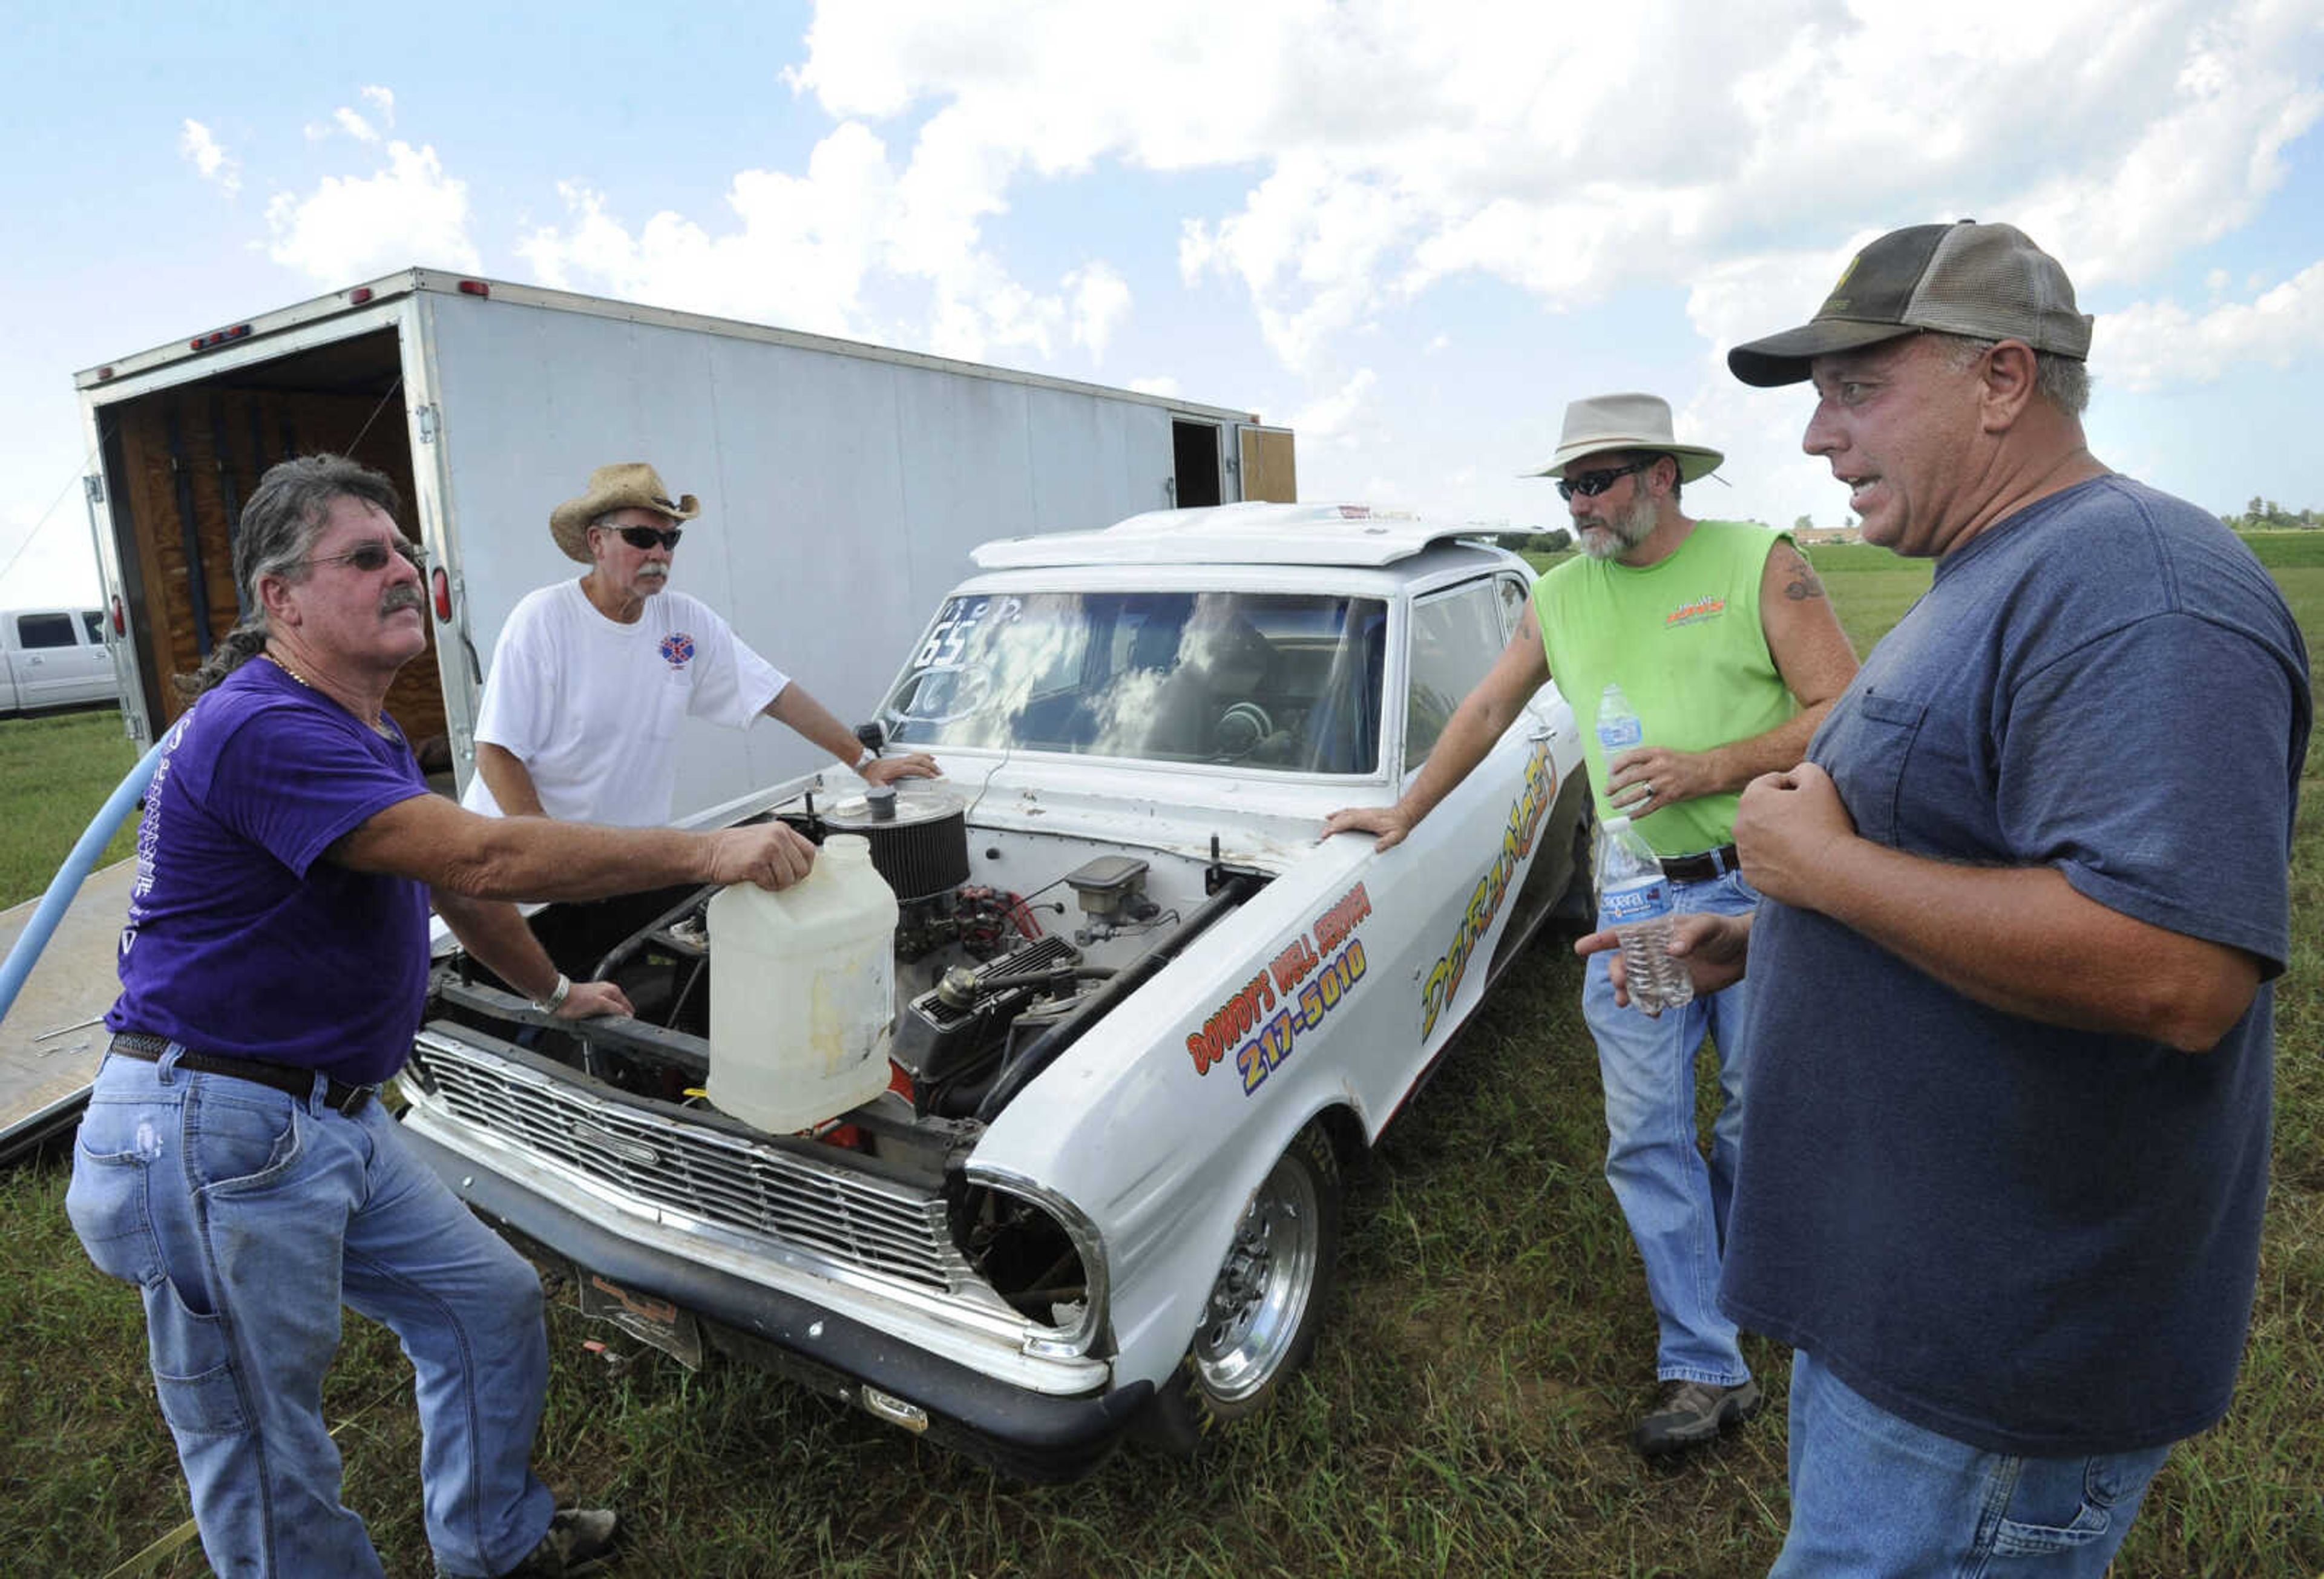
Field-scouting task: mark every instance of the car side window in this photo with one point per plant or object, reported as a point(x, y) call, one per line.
point(34, 631)
point(93, 621)
point(1456, 635)
point(1515, 593)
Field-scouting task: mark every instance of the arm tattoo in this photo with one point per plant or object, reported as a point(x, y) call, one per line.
point(1803, 584)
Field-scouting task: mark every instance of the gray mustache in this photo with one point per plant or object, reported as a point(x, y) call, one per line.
point(400, 597)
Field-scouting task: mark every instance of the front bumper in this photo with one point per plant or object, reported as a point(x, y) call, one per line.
point(1031, 1435)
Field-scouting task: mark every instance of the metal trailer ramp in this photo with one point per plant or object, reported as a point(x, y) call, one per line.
point(51, 1043)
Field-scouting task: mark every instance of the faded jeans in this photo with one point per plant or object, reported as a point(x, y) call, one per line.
point(246, 1216)
point(1876, 1497)
point(1675, 1205)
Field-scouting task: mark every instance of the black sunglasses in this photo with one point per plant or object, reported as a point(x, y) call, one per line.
point(1589, 485)
point(370, 559)
point(646, 536)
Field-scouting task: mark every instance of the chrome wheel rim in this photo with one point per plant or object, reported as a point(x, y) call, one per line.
point(1256, 1306)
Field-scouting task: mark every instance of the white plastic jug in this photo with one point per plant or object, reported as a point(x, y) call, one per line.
point(803, 991)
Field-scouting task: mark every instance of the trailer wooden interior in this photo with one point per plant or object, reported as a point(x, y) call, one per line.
point(181, 463)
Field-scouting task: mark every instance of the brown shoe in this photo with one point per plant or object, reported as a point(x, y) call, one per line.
point(1689, 1413)
point(576, 1538)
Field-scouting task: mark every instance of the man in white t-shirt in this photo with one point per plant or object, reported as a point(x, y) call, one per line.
point(591, 676)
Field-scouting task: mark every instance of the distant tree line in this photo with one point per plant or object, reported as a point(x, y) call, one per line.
point(2267, 515)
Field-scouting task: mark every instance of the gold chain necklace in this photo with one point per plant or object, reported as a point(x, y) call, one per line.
point(286, 669)
point(377, 725)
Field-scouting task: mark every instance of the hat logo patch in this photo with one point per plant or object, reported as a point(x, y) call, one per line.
point(1836, 302)
point(677, 647)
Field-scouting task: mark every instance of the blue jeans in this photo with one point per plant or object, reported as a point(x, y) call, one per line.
point(1873, 1495)
point(246, 1216)
point(1675, 1205)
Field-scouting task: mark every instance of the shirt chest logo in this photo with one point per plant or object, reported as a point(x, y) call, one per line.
point(1695, 613)
point(677, 649)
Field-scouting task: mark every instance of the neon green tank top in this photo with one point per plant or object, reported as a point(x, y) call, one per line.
point(1682, 639)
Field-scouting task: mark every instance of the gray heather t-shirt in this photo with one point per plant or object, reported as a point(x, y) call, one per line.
point(2032, 1239)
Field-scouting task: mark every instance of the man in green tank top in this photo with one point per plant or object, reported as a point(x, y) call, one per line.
point(1722, 639)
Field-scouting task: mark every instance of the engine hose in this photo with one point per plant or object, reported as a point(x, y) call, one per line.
point(1043, 1050)
point(70, 875)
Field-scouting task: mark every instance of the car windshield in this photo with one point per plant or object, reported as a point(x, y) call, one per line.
point(1281, 682)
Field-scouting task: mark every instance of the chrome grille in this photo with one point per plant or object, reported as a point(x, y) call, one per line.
point(828, 1211)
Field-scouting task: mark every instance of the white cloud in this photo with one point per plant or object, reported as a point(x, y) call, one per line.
point(799, 249)
point(1389, 151)
point(197, 144)
point(350, 227)
point(2156, 345)
point(382, 100)
point(355, 125)
point(797, 252)
point(1100, 299)
point(1346, 418)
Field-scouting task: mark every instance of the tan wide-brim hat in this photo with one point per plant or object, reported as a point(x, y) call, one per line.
point(630, 485)
point(1626, 421)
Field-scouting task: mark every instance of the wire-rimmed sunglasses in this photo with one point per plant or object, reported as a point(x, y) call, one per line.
point(1589, 485)
point(371, 557)
point(646, 536)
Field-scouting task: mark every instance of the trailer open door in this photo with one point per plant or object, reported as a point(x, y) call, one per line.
point(1269, 472)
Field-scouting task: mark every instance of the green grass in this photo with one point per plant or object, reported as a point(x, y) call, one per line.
point(1464, 1414)
point(55, 771)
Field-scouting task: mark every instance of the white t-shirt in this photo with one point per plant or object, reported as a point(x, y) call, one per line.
point(591, 705)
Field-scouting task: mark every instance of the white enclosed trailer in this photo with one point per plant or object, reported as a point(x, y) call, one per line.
point(842, 485)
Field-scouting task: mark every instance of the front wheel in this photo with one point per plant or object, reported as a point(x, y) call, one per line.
point(1260, 1321)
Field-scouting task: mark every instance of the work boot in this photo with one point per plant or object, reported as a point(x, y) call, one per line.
point(576, 1538)
point(1689, 1413)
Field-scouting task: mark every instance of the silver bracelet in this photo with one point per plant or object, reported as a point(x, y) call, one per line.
point(556, 994)
point(865, 760)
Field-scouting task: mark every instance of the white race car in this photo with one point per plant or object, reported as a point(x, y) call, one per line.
point(1143, 1016)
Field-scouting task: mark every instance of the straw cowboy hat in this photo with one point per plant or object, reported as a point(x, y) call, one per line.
point(631, 484)
point(1626, 421)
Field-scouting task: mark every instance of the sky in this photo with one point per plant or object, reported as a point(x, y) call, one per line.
point(1412, 232)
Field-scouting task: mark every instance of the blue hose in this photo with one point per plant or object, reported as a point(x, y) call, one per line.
point(68, 878)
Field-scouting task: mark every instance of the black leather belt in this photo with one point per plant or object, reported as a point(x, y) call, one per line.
point(1701, 868)
point(339, 1095)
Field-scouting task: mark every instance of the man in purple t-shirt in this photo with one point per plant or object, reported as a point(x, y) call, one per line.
point(232, 1163)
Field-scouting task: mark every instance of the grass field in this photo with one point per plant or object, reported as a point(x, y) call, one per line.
point(1464, 1413)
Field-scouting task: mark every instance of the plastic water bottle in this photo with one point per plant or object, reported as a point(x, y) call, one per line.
point(1618, 727)
point(1634, 897)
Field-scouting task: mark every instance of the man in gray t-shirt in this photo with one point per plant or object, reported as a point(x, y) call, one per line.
point(2011, 1053)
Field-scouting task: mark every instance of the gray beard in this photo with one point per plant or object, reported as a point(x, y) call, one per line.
point(1626, 530)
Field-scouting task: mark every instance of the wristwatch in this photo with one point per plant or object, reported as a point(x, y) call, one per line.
point(556, 994)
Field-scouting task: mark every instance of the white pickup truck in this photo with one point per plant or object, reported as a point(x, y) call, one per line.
point(53, 657)
point(1143, 1016)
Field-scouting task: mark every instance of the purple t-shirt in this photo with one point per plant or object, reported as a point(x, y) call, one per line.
point(241, 939)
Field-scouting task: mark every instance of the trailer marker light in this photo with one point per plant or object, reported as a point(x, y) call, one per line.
point(441, 585)
point(475, 288)
point(120, 623)
point(218, 338)
point(359, 295)
point(103, 373)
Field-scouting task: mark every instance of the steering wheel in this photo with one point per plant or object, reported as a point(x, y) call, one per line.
point(1239, 729)
point(970, 692)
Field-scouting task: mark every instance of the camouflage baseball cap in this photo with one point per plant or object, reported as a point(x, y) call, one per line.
point(1987, 282)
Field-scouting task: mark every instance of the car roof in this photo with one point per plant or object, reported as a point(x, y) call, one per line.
point(1239, 534)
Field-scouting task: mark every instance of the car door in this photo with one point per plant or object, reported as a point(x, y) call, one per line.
point(1480, 841)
